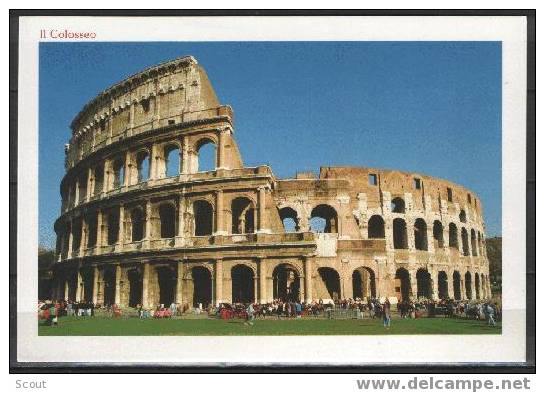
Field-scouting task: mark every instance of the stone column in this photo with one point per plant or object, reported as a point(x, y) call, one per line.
point(219, 281)
point(70, 239)
point(117, 284)
point(220, 230)
point(429, 233)
point(121, 229)
point(95, 284)
point(84, 236)
point(76, 193)
point(261, 205)
point(409, 223)
point(179, 283)
point(79, 288)
point(220, 162)
point(308, 279)
point(153, 162)
point(389, 233)
point(148, 222)
point(90, 184)
point(450, 284)
point(434, 284)
point(414, 283)
point(473, 287)
point(127, 177)
point(145, 285)
point(262, 269)
point(106, 179)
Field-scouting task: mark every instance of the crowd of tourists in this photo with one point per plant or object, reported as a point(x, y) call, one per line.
point(281, 309)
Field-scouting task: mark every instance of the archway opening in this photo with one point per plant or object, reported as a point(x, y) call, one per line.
point(457, 281)
point(206, 155)
point(363, 283)
point(243, 215)
point(135, 287)
point(420, 234)
point(465, 243)
point(477, 286)
point(400, 233)
point(323, 219)
point(167, 216)
point(442, 285)
point(98, 179)
point(331, 280)
point(137, 224)
point(143, 166)
point(243, 288)
point(204, 218)
point(286, 283)
point(398, 205)
point(202, 286)
point(463, 216)
point(423, 284)
point(289, 219)
point(438, 234)
point(92, 224)
point(468, 285)
point(375, 227)
point(452, 236)
point(172, 160)
point(119, 173)
point(167, 285)
point(113, 226)
point(87, 277)
point(402, 284)
point(109, 285)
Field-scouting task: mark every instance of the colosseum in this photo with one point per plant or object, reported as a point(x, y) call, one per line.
point(143, 222)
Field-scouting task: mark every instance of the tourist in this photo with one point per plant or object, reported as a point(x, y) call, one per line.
point(249, 315)
point(386, 314)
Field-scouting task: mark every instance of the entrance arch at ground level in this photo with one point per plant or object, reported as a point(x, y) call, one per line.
point(286, 282)
point(363, 283)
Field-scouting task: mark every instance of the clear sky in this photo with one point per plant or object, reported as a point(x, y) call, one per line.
point(428, 107)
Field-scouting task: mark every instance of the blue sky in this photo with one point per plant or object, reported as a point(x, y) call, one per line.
point(429, 107)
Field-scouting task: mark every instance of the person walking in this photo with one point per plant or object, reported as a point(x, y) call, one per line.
point(249, 315)
point(386, 314)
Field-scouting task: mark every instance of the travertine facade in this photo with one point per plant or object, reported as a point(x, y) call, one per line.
point(140, 223)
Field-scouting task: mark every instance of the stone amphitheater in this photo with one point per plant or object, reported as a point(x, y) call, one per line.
point(144, 221)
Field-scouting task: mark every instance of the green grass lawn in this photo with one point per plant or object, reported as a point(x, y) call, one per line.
point(98, 326)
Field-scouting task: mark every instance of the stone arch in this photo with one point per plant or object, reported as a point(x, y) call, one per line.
point(206, 154)
point(202, 285)
point(135, 280)
point(402, 284)
point(109, 284)
point(477, 286)
point(363, 283)
point(243, 284)
point(143, 166)
point(457, 285)
point(398, 205)
point(399, 228)
point(286, 282)
point(438, 234)
point(420, 234)
point(375, 227)
point(323, 218)
point(452, 235)
point(462, 216)
point(423, 283)
point(331, 279)
point(467, 285)
point(289, 219)
point(173, 159)
point(112, 220)
point(465, 243)
point(98, 179)
point(118, 168)
point(442, 285)
point(167, 218)
point(137, 224)
point(203, 213)
point(166, 278)
point(242, 215)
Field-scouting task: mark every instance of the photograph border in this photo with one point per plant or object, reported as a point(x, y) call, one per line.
point(64, 367)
